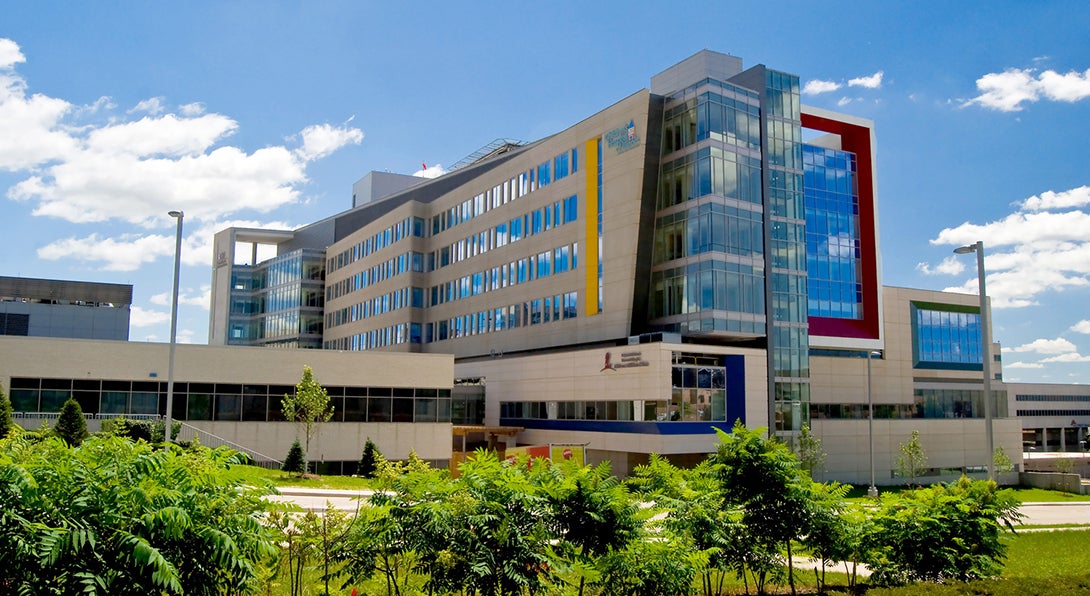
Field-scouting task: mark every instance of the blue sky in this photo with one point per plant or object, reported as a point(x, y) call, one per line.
point(265, 113)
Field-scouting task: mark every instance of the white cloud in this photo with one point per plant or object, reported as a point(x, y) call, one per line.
point(135, 169)
point(192, 109)
point(153, 106)
point(1076, 197)
point(129, 252)
point(1045, 346)
point(142, 317)
point(320, 140)
point(1067, 358)
point(10, 54)
point(1029, 252)
point(816, 87)
point(873, 81)
point(201, 298)
point(1006, 91)
point(843, 101)
point(1082, 326)
point(951, 265)
point(430, 171)
point(1023, 365)
point(125, 253)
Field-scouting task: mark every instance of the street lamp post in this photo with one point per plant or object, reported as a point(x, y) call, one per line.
point(167, 423)
point(986, 349)
point(872, 492)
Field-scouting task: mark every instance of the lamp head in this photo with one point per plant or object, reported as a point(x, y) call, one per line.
point(175, 214)
point(964, 250)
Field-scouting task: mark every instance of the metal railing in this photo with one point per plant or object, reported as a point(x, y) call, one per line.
point(207, 439)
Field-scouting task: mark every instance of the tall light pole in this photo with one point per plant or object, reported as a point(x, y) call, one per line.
point(167, 423)
point(986, 349)
point(872, 492)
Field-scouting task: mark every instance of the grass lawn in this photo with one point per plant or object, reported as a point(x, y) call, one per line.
point(257, 475)
point(858, 494)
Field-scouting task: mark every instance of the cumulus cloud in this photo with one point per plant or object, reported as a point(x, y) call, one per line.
point(142, 317)
point(152, 105)
point(817, 86)
point(322, 139)
point(430, 171)
point(1023, 365)
point(201, 297)
point(1044, 245)
point(1076, 197)
point(129, 252)
point(1045, 346)
point(10, 55)
point(1067, 358)
point(125, 253)
point(1082, 326)
point(135, 168)
point(951, 265)
point(873, 81)
point(192, 109)
point(1006, 91)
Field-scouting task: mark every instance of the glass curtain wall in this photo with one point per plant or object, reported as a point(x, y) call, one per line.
point(708, 259)
point(279, 302)
point(787, 280)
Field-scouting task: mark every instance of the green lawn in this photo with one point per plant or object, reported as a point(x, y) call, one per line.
point(858, 494)
point(257, 475)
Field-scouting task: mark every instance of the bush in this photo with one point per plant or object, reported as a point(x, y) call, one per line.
point(5, 414)
point(71, 425)
point(369, 461)
point(294, 461)
point(945, 532)
point(123, 518)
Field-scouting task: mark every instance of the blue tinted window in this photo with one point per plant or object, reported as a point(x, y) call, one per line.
point(946, 338)
point(833, 251)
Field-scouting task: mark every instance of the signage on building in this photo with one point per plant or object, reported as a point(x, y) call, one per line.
point(627, 360)
point(623, 138)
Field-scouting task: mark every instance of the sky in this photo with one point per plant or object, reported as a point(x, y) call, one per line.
point(263, 114)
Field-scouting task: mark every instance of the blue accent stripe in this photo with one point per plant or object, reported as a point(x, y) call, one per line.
point(736, 389)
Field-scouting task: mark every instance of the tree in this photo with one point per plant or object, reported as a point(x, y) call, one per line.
point(811, 455)
point(369, 461)
point(5, 414)
point(121, 517)
point(309, 406)
point(71, 426)
point(1001, 461)
point(912, 460)
point(294, 461)
point(763, 478)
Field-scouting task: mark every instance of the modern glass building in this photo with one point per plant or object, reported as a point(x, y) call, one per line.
point(699, 252)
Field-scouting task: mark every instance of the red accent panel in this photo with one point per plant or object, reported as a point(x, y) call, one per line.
point(856, 139)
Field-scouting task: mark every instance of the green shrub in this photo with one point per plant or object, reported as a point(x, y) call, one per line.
point(294, 461)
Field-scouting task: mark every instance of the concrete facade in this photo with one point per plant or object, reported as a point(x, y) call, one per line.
point(57, 361)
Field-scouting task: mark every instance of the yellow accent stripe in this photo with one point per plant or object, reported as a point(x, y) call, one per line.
point(590, 211)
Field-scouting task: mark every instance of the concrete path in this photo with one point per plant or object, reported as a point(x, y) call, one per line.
point(314, 499)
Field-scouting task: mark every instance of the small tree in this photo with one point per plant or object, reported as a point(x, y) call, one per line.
point(912, 459)
point(71, 425)
point(811, 455)
point(1001, 461)
point(294, 462)
point(309, 406)
point(5, 414)
point(369, 460)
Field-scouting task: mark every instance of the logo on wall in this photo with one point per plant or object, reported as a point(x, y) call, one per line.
point(628, 360)
point(623, 138)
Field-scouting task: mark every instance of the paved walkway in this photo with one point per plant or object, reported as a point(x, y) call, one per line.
point(316, 499)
